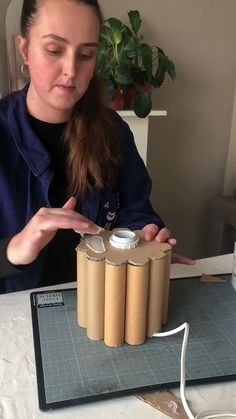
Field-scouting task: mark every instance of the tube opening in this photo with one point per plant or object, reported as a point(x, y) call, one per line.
point(124, 239)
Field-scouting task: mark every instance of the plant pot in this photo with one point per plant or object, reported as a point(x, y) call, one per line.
point(130, 93)
point(117, 104)
point(124, 99)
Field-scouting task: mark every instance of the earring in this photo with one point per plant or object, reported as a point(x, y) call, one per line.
point(25, 70)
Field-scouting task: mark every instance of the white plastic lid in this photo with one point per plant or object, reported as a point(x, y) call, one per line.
point(124, 239)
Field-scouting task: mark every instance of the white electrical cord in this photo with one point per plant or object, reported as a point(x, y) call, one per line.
point(211, 414)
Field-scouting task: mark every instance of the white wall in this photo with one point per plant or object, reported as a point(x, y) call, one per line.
point(230, 173)
point(12, 30)
point(188, 149)
point(3, 66)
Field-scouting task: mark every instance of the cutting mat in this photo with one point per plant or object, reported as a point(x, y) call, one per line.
point(73, 369)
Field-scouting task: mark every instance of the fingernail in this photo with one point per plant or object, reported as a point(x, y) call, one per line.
point(79, 232)
point(99, 229)
point(95, 229)
point(90, 229)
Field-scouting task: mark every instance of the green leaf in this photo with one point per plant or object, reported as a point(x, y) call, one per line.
point(122, 77)
point(103, 42)
point(159, 77)
point(164, 66)
point(111, 63)
point(138, 76)
point(160, 51)
point(171, 69)
point(132, 50)
point(146, 51)
point(142, 104)
point(106, 36)
point(127, 34)
point(124, 59)
point(100, 63)
point(113, 33)
point(135, 20)
point(115, 24)
point(110, 90)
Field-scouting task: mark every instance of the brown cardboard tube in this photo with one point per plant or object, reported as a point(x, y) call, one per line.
point(156, 295)
point(95, 299)
point(136, 304)
point(115, 289)
point(144, 312)
point(167, 287)
point(81, 288)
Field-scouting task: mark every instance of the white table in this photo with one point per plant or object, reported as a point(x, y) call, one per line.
point(18, 386)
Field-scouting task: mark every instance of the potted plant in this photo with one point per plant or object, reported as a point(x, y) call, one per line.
point(130, 67)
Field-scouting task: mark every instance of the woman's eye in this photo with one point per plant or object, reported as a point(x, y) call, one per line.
point(86, 56)
point(53, 52)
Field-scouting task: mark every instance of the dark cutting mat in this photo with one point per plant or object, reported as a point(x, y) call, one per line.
point(72, 369)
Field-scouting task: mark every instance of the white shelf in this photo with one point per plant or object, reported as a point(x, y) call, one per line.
point(139, 127)
point(152, 113)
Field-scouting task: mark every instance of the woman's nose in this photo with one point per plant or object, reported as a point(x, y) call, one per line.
point(69, 67)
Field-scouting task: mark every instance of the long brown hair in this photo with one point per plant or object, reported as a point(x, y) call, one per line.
point(92, 133)
point(92, 138)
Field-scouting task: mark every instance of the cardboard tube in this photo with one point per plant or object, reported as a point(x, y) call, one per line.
point(167, 288)
point(81, 288)
point(115, 289)
point(156, 295)
point(95, 298)
point(136, 304)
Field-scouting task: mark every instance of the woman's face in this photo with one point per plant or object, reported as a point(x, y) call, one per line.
point(61, 55)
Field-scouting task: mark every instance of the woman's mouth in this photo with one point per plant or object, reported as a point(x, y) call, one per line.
point(66, 89)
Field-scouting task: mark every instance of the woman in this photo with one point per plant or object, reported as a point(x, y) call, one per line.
point(67, 163)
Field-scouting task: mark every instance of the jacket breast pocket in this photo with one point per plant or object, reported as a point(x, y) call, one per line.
point(108, 208)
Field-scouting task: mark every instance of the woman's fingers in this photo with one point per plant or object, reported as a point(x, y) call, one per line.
point(24, 247)
point(163, 235)
point(172, 241)
point(50, 219)
point(71, 203)
point(176, 258)
point(150, 231)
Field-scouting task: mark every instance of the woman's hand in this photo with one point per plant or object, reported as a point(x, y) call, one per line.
point(152, 232)
point(25, 246)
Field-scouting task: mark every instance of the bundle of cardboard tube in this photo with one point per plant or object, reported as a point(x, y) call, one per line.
point(123, 286)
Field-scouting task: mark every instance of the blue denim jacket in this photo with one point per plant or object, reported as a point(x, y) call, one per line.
point(25, 176)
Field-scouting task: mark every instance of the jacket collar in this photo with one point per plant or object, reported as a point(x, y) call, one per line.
point(28, 144)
